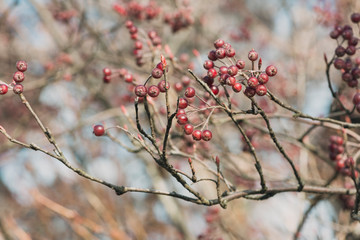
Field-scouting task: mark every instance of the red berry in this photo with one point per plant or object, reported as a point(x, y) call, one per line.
point(353, 41)
point(21, 66)
point(263, 78)
point(157, 73)
point(230, 52)
point(339, 63)
point(107, 79)
point(237, 87)
point(355, 17)
point(208, 81)
point(188, 129)
point(107, 71)
point(226, 46)
point(178, 86)
point(133, 29)
point(196, 135)
point(179, 112)
point(208, 64)
point(18, 88)
point(182, 119)
point(153, 91)
point(129, 24)
point(240, 64)
point(347, 34)
point(128, 77)
point(253, 55)
point(140, 91)
point(334, 34)
point(339, 165)
point(185, 80)
point(212, 55)
point(219, 43)
point(162, 86)
point(271, 70)
point(190, 92)
point(152, 34)
point(212, 73)
point(249, 92)
point(138, 44)
point(223, 70)
point(223, 78)
point(99, 130)
point(220, 53)
point(230, 81)
point(340, 51)
point(232, 70)
point(206, 135)
point(253, 82)
point(261, 90)
point(183, 103)
point(214, 89)
point(3, 89)
point(356, 98)
point(19, 76)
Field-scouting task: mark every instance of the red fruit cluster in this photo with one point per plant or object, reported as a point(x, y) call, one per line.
point(122, 73)
point(233, 73)
point(179, 19)
point(344, 52)
point(133, 9)
point(18, 77)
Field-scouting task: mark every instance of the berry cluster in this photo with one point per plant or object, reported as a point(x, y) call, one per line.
point(122, 73)
point(18, 77)
point(232, 72)
point(343, 163)
point(346, 48)
point(135, 10)
point(180, 19)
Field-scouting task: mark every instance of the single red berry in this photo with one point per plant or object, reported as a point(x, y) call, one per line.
point(206, 135)
point(261, 90)
point(208, 81)
point(350, 50)
point(214, 89)
point(339, 165)
point(160, 66)
point(157, 73)
point(349, 162)
point(232, 70)
point(346, 77)
point(128, 77)
point(188, 129)
point(263, 78)
point(356, 98)
point(21, 66)
point(208, 64)
point(212, 73)
point(107, 71)
point(162, 86)
point(133, 29)
point(230, 52)
point(182, 119)
point(226, 46)
point(355, 17)
point(353, 41)
point(220, 53)
point(190, 92)
point(271, 70)
point(230, 81)
point(355, 72)
point(178, 86)
point(196, 135)
point(134, 36)
point(185, 80)
point(3, 89)
point(253, 55)
point(152, 34)
point(183, 103)
point(138, 44)
point(212, 55)
point(129, 24)
point(18, 88)
point(237, 87)
point(249, 92)
point(153, 91)
point(219, 43)
point(223, 70)
point(223, 78)
point(179, 112)
point(334, 34)
point(339, 63)
point(107, 79)
point(240, 64)
point(140, 91)
point(99, 130)
point(19, 76)
point(347, 34)
point(340, 51)
point(253, 82)
point(353, 83)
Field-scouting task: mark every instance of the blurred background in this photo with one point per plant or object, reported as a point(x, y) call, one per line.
point(68, 43)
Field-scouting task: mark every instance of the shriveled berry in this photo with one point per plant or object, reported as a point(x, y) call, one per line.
point(355, 17)
point(253, 55)
point(214, 89)
point(232, 70)
point(220, 53)
point(18, 88)
point(182, 119)
point(196, 135)
point(212, 73)
point(3, 89)
point(18, 76)
point(253, 82)
point(261, 90)
point(140, 91)
point(240, 64)
point(189, 92)
point(188, 129)
point(219, 43)
point(249, 92)
point(208, 64)
point(162, 86)
point(183, 103)
point(206, 135)
point(99, 130)
point(263, 78)
point(153, 91)
point(271, 70)
point(339, 63)
point(237, 87)
point(157, 73)
point(21, 65)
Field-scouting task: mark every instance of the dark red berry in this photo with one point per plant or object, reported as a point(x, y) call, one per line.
point(3, 89)
point(188, 129)
point(223, 78)
point(212, 55)
point(263, 78)
point(219, 43)
point(249, 92)
point(183, 103)
point(353, 41)
point(208, 64)
point(271, 70)
point(196, 135)
point(21, 66)
point(157, 73)
point(334, 34)
point(339, 63)
point(18, 88)
point(190, 92)
point(240, 64)
point(208, 81)
point(232, 70)
point(355, 17)
point(237, 87)
point(214, 89)
point(107, 79)
point(356, 98)
point(347, 34)
point(19, 76)
point(253, 82)
point(340, 51)
point(162, 86)
point(346, 77)
point(99, 130)
point(182, 119)
point(220, 53)
point(212, 73)
point(206, 135)
point(153, 91)
point(140, 91)
point(350, 50)
point(353, 83)
point(253, 55)
point(261, 90)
